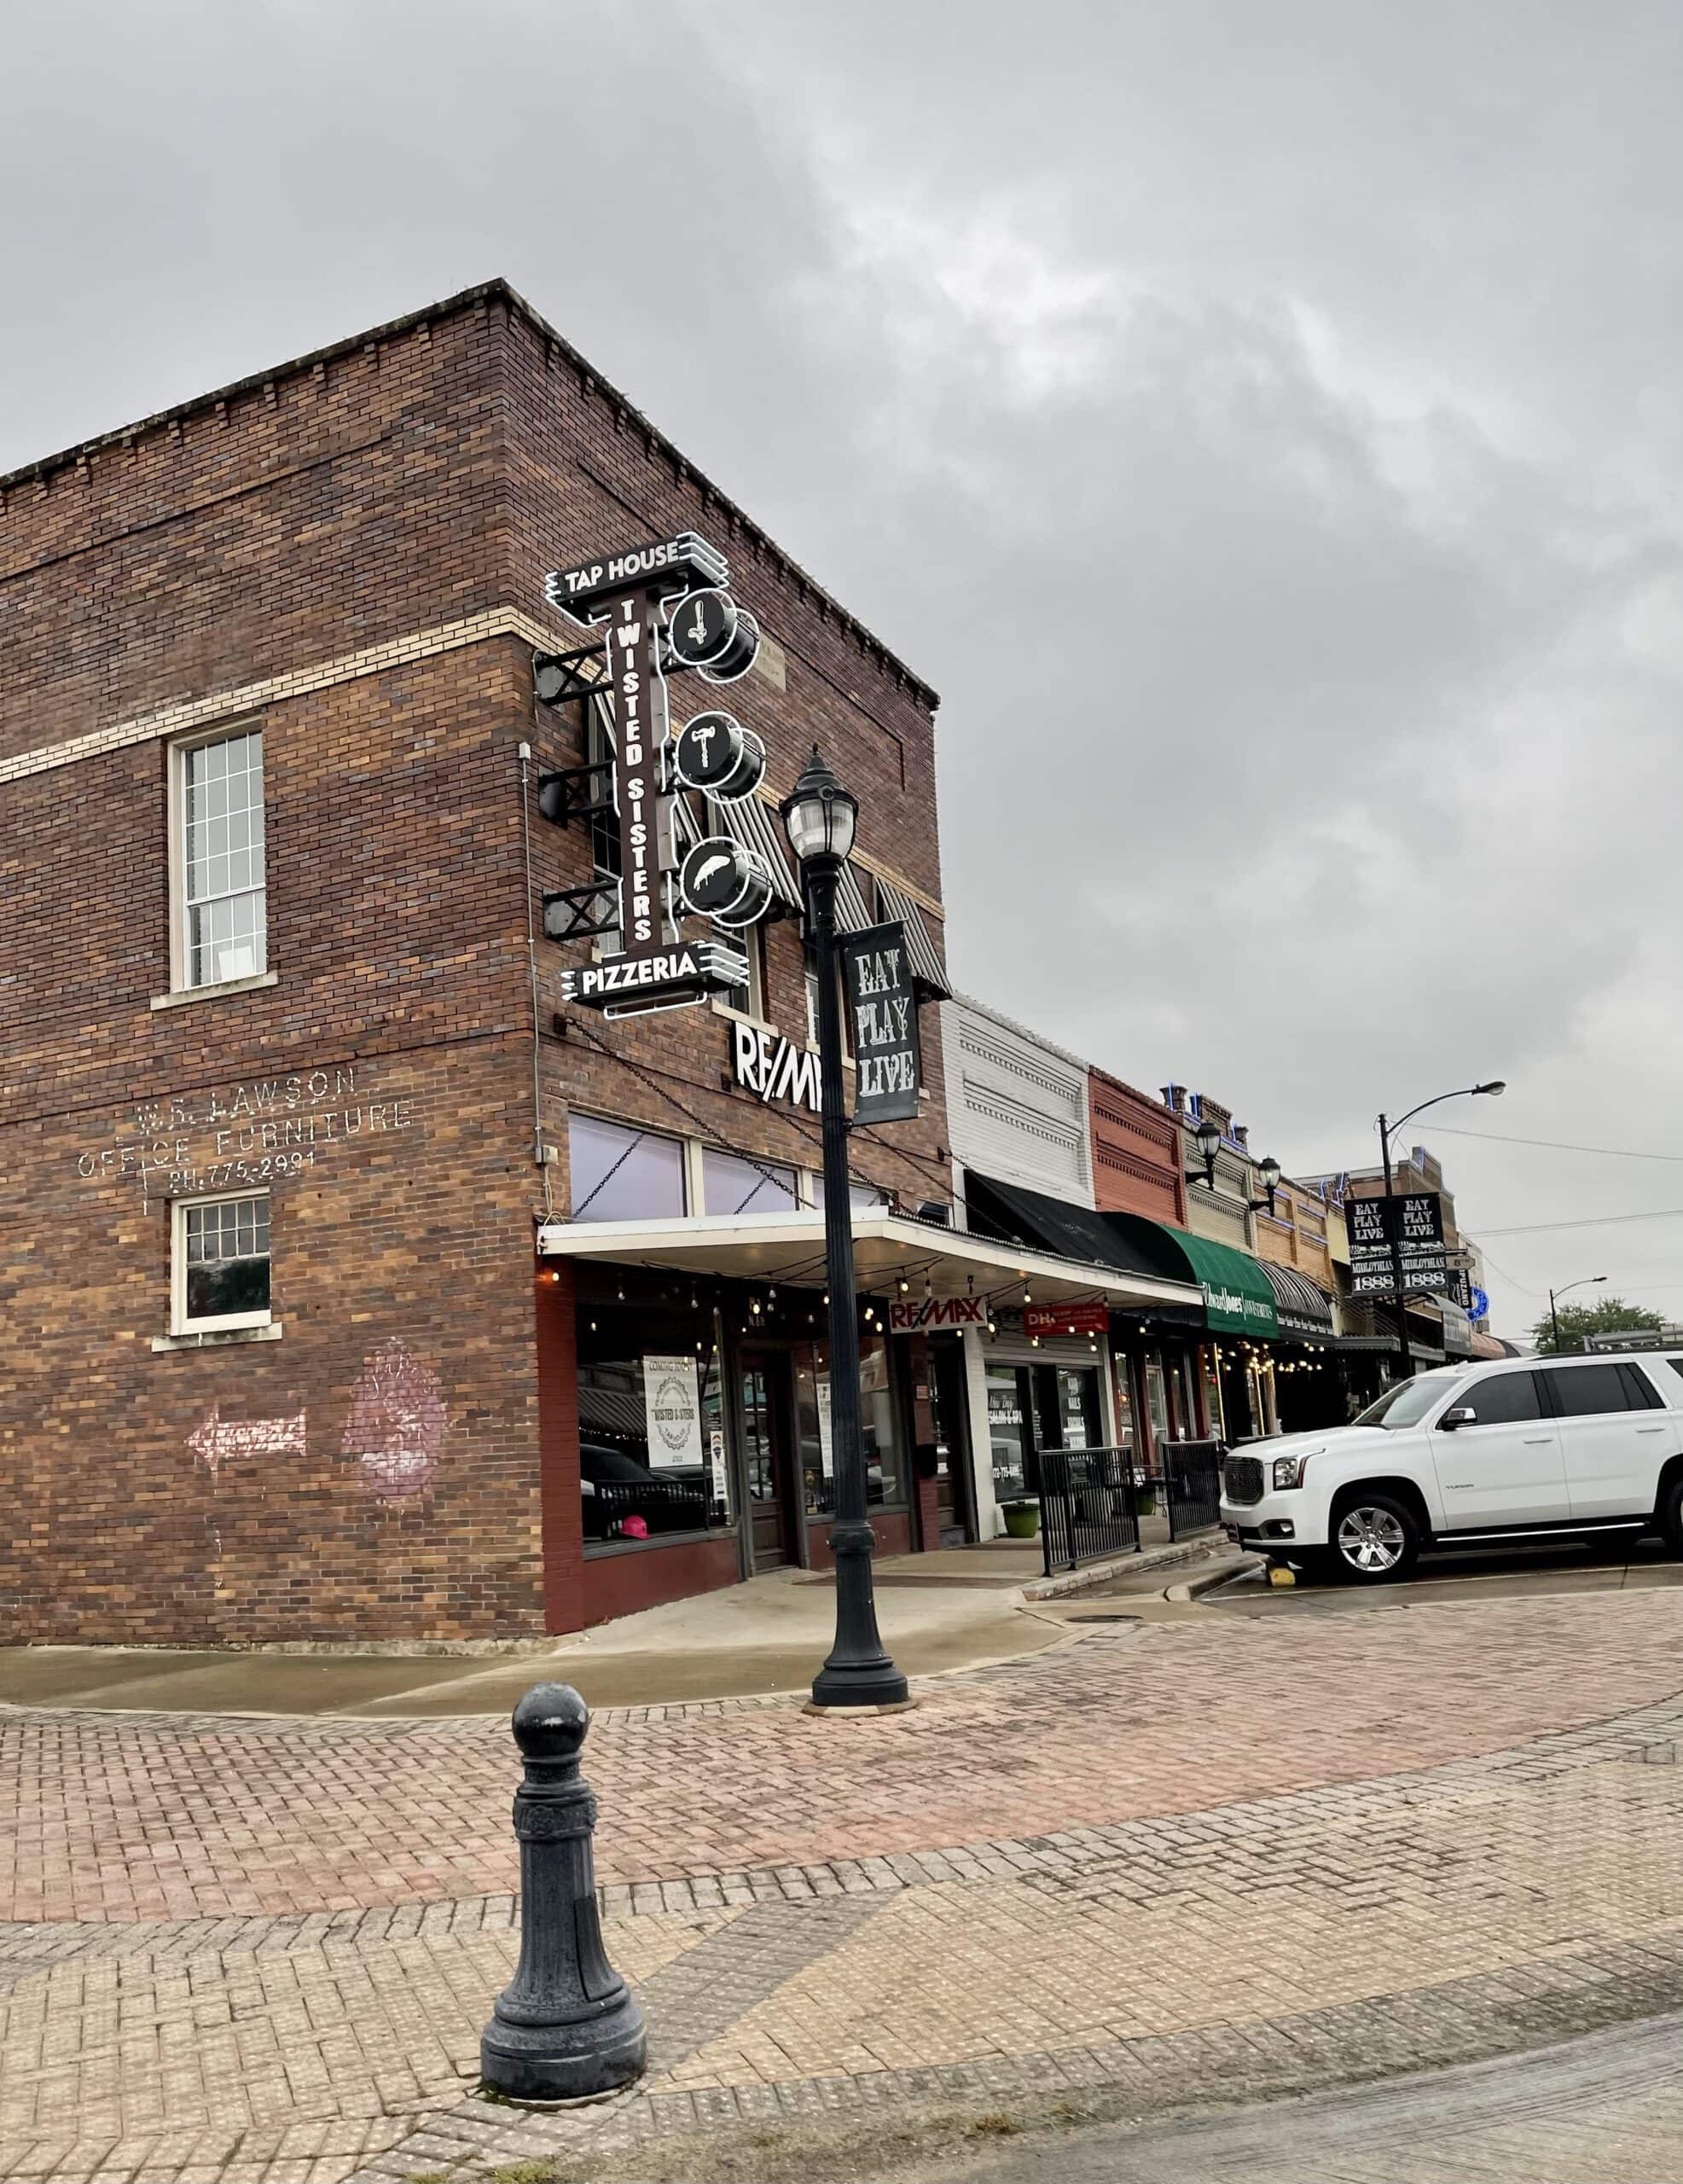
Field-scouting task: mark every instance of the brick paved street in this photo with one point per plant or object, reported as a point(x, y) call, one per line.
point(1163, 1863)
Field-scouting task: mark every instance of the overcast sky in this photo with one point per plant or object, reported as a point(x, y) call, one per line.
point(1261, 423)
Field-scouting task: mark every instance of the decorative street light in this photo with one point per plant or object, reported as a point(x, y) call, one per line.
point(1554, 1317)
point(1267, 1174)
point(1208, 1135)
point(819, 817)
point(1494, 1089)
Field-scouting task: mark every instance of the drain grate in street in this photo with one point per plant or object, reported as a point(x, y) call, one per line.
point(1101, 1619)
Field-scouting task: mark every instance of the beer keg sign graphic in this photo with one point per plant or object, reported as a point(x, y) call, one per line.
point(714, 752)
point(722, 880)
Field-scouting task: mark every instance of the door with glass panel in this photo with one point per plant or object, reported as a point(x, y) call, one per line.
point(766, 1457)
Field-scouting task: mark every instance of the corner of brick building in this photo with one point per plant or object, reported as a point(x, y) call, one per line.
point(299, 546)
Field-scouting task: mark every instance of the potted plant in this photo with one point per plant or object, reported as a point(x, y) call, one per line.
point(1022, 1519)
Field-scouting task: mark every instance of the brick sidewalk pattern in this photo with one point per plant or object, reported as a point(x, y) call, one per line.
point(259, 1951)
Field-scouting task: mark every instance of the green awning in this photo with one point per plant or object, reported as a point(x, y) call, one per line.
point(1238, 1295)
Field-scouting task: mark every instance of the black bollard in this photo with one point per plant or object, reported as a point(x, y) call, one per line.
point(566, 2027)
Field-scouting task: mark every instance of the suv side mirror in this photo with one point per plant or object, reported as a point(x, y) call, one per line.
point(1460, 1414)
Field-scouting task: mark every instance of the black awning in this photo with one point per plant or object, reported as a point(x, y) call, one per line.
point(1074, 1232)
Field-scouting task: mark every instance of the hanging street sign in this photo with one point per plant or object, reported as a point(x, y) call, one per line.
point(883, 1011)
point(1415, 1219)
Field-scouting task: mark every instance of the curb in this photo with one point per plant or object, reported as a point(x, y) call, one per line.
point(1207, 1580)
point(1119, 1565)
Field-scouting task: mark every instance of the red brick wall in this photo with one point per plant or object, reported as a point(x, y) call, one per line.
point(1136, 1152)
point(391, 488)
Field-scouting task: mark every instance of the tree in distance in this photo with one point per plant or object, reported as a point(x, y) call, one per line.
point(1611, 1315)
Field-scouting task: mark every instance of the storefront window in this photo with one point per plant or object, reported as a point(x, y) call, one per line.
point(879, 1426)
point(1212, 1391)
point(621, 1174)
point(651, 1433)
point(1157, 1399)
point(732, 1185)
point(1122, 1393)
point(863, 1198)
point(1008, 1431)
point(1078, 1412)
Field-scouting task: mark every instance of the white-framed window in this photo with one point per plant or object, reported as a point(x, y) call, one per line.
point(219, 1263)
point(812, 1019)
point(750, 1000)
point(621, 1173)
point(220, 922)
point(732, 1185)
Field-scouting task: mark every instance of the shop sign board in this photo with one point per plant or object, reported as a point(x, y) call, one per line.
point(1415, 1219)
point(883, 1013)
point(906, 1316)
point(766, 1063)
point(626, 594)
point(1067, 1318)
point(672, 1413)
point(670, 977)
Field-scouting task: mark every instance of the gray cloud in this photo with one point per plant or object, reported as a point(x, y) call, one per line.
point(1261, 424)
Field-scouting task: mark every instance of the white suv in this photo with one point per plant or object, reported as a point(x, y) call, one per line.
point(1527, 1449)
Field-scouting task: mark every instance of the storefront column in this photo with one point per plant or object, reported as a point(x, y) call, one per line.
point(561, 1525)
point(989, 1522)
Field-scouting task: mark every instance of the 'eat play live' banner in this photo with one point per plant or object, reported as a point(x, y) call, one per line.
point(883, 1010)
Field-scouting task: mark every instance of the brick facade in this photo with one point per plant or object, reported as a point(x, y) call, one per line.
point(347, 552)
point(1136, 1152)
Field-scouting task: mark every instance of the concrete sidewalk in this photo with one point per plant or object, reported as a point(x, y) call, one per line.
point(957, 1608)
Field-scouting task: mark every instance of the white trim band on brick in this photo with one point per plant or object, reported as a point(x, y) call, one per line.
point(246, 697)
point(349, 667)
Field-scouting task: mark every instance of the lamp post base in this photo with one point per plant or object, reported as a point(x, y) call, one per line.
point(873, 1684)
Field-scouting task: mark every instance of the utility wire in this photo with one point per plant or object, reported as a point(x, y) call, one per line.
point(1556, 1144)
point(1595, 1221)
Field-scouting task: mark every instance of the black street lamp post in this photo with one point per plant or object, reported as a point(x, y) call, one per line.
point(819, 817)
point(1589, 1281)
point(1387, 1131)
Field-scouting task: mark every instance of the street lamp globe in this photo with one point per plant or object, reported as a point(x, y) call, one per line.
point(1495, 1088)
point(1209, 1136)
point(819, 815)
point(1267, 1173)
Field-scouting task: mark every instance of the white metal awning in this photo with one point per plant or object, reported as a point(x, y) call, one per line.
point(789, 1247)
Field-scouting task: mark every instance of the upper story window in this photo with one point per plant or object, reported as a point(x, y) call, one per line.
point(221, 1263)
point(623, 1174)
point(222, 916)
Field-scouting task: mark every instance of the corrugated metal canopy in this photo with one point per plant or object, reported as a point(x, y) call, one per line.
point(927, 968)
point(1301, 1306)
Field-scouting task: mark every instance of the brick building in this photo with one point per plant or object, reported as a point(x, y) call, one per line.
point(342, 1261)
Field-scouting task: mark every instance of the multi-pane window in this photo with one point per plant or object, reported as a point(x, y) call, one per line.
point(621, 1174)
point(749, 999)
point(222, 1249)
point(732, 1185)
point(225, 924)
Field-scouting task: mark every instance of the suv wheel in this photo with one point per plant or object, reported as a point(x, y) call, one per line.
point(1671, 1515)
point(1376, 1538)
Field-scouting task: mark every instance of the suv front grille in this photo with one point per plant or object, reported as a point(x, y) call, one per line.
point(1242, 1478)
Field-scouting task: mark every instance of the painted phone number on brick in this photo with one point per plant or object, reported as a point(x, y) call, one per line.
point(267, 1130)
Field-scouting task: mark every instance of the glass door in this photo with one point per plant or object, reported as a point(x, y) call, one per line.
point(765, 1451)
